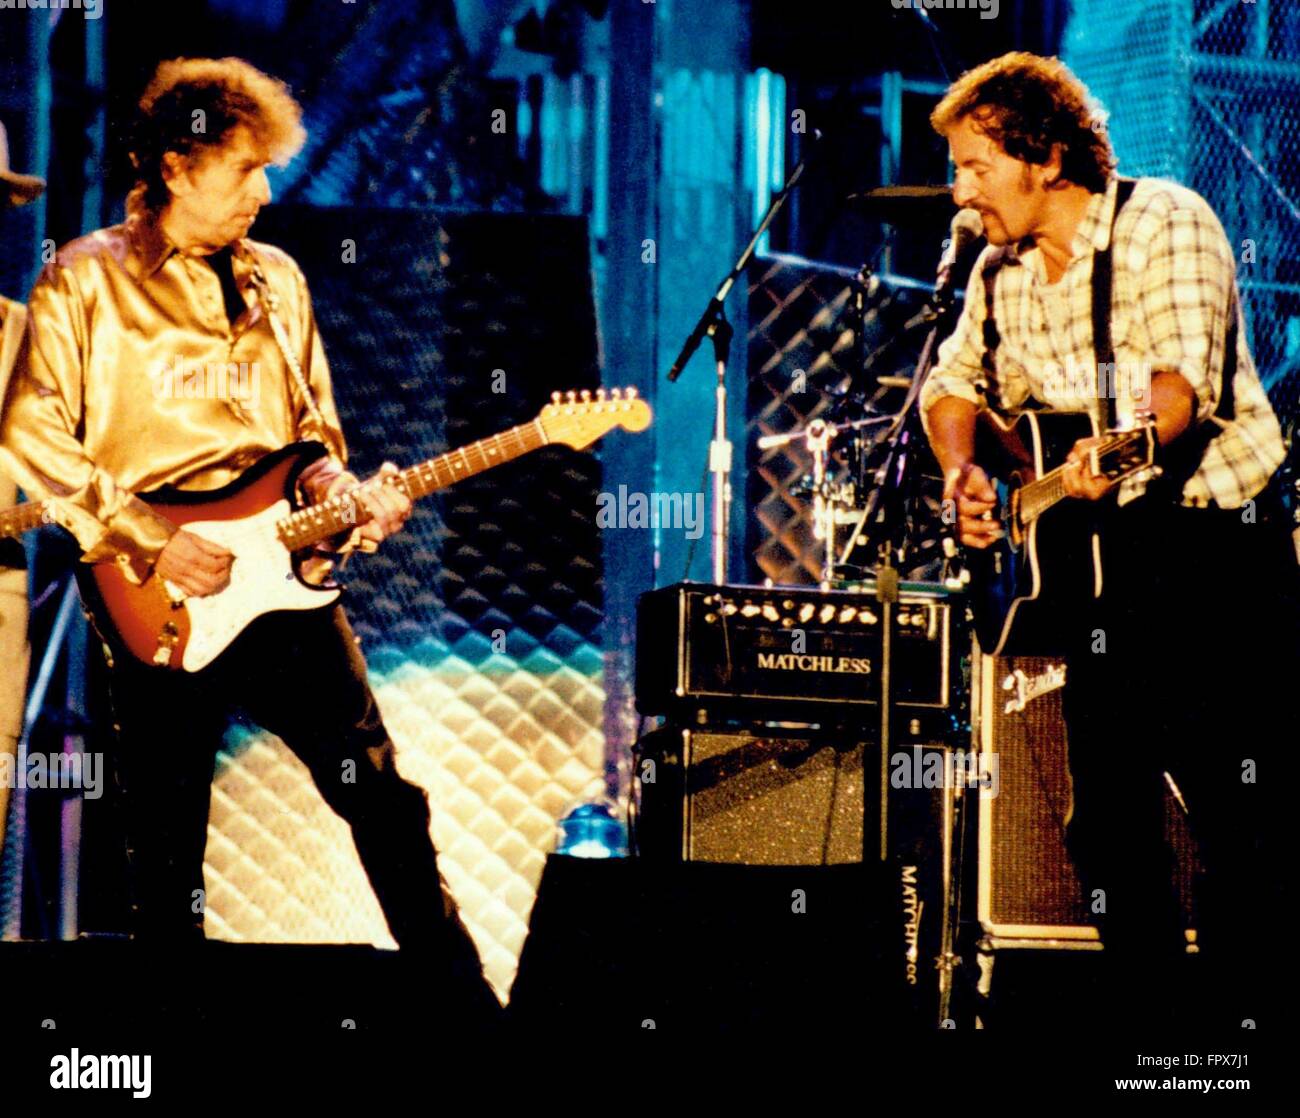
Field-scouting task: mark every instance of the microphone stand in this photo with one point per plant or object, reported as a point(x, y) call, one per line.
point(713, 324)
point(884, 511)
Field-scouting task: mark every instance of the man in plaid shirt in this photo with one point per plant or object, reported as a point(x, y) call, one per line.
point(1180, 665)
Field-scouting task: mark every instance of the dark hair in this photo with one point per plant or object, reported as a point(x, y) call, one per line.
point(1028, 105)
point(193, 104)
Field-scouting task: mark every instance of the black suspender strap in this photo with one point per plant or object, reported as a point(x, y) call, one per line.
point(1103, 276)
point(992, 339)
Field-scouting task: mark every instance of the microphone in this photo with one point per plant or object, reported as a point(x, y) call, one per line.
point(966, 227)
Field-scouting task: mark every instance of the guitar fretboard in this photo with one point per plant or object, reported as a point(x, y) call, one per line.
point(1039, 496)
point(343, 512)
point(22, 518)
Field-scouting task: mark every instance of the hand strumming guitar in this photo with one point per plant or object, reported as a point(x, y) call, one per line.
point(976, 500)
point(197, 566)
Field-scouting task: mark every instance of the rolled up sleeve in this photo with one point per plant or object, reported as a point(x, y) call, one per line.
point(1184, 298)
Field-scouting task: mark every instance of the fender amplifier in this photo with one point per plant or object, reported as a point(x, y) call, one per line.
point(1029, 891)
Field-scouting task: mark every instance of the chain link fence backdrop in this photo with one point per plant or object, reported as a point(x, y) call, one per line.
point(1207, 92)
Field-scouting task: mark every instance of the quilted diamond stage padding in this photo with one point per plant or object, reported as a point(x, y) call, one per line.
point(481, 623)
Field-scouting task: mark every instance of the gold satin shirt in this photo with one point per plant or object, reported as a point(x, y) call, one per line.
point(131, 377)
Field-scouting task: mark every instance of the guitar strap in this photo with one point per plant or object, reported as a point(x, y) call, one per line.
point(1103, 275)
point(271, 303)
point(1179, 465)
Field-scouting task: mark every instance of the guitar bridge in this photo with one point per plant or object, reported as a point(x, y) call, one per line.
point(168, 639)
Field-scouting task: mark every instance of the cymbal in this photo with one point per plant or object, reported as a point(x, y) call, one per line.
point(911, 206)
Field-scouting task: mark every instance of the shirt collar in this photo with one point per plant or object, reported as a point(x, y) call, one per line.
point(1094, 230)
point(150, 249)
point(1092, 234)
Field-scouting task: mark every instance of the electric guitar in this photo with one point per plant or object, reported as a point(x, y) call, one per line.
point(258, 517)
point(24, 518)
point(1043, 563)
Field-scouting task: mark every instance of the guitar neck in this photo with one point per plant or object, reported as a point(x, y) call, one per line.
point(21, 518)
point(1039, 496)
point(1118, 457)
point(342, 513)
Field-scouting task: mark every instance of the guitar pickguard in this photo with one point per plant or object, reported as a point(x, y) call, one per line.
point(262, 580)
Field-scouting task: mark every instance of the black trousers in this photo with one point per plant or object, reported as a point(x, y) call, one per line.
point(301, 676)
point(1187, 665)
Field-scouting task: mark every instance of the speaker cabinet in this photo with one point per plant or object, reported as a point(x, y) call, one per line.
point(736, 796)
point(1027, 886)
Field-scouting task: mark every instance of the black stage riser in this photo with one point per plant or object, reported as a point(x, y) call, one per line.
point(234, 989)
point(718, 949)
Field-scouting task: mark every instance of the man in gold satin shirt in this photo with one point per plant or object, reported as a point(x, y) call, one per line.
point(113, 395)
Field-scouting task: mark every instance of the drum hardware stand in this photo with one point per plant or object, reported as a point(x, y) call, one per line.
point(833, 502)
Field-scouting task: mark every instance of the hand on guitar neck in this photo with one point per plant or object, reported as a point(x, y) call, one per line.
point(1078, 478)
point(384, 503)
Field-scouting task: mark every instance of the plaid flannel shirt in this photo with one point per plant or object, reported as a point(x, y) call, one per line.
point(1174, 273)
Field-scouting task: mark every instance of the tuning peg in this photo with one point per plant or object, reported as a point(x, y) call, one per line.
point(600, 395)
point(573, 396)
point(586, 395)
point(617, 394)
point(555, 397)
point(631, 392)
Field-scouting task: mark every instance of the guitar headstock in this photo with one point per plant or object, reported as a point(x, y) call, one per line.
point(1126, 452)
point(578, 419)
